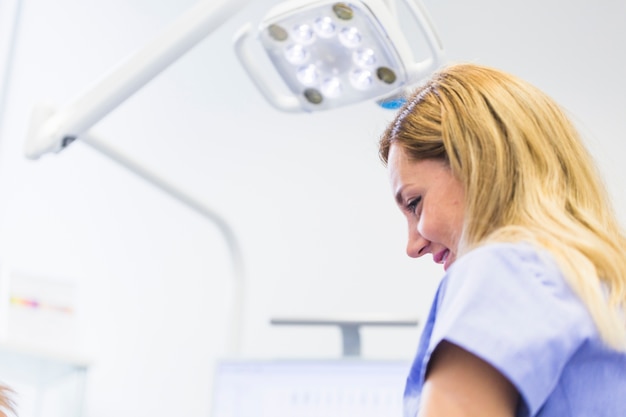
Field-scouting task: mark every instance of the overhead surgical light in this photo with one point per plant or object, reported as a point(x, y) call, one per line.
point(330, 54)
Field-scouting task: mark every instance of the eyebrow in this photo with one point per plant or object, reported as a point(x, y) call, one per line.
point(399, 199)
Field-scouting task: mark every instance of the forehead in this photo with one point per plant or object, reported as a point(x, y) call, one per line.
point(397, 155)
point(400, 164)
point(405, 171)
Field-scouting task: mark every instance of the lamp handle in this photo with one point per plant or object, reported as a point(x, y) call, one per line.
point(425, 23)
point(284, 102)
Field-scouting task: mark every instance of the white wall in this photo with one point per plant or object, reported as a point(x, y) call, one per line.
point(305, 193)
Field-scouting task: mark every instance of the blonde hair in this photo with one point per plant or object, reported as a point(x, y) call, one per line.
point(527, 177)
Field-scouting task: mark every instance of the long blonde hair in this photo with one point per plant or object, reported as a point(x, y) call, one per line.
point(527, 177)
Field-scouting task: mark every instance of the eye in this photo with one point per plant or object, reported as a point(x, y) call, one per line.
point(411, 206)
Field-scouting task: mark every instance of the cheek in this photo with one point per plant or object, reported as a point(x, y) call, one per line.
point(458, 216)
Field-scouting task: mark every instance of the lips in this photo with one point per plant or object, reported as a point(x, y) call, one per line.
point(444, 257)
point(440, 257)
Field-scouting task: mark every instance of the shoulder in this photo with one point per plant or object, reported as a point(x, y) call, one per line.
point(507, 256)
point(502, 283)
point(510, 305)
point(515, 268)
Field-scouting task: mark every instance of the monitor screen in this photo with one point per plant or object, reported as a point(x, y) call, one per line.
point(309, 388)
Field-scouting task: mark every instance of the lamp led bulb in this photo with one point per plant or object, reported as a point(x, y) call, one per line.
point(364, 57)
point(332, 87)
point(325, 27)
point(350, 37)
point(297, 54)
point(361, 79)
point(304, 34)
point(308, 75)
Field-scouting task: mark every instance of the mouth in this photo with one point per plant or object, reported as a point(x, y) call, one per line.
point(440, 257)
point(444, 257)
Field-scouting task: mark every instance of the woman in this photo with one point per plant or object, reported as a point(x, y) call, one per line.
point(496, 184)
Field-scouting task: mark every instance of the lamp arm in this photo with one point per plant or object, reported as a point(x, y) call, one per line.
point(61, 127)
point(234, 342)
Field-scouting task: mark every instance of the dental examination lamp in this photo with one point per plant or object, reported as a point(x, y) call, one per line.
point(329, 54)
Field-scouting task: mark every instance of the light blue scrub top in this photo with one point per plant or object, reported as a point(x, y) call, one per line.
point(510, 305)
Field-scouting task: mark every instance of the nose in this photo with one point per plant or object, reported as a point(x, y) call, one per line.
point(417, 245)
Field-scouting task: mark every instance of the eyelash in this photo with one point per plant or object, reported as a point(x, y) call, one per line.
point(411, 206)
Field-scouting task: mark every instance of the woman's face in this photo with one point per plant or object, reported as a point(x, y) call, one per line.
point(433, 202)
